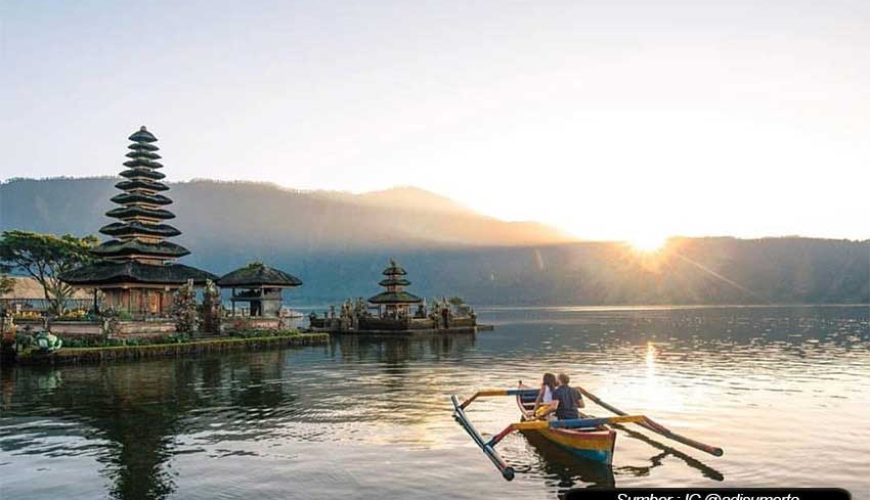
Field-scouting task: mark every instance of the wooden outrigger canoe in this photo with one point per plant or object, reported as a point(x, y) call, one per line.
point(586, 437)
point(592, 443)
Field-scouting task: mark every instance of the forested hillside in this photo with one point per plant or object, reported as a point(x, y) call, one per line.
point(338, 243)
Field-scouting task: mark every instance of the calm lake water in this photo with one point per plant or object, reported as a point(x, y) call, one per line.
point(785, 391)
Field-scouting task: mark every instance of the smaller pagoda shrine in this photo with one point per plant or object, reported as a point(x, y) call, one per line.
point(259, 286)
point(136, 269)
point(394, 301)
point(390, 312)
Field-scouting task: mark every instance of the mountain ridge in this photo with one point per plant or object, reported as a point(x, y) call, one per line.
point(339, 247)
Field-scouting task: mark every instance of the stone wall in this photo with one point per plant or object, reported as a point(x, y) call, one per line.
point(77, 329)
point(144, 329)
point(240, 323)
point(123, 330)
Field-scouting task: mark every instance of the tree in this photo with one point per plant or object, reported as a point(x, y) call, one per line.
point(45, 257)
point(456, 301)
point(6, 283)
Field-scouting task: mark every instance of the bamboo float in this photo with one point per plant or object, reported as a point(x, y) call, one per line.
point(506, 471)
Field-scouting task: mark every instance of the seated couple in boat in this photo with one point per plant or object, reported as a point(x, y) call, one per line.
point(558, 399)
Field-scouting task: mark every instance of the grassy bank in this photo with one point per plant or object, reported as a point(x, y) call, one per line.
point(74, 355)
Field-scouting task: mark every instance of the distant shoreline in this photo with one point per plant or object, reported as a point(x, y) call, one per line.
point(648, 307)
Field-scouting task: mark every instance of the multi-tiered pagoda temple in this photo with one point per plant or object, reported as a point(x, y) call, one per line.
point(136, 269)
point(394, 301)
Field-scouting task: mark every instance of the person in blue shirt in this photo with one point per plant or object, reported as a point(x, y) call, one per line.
point(569, 399)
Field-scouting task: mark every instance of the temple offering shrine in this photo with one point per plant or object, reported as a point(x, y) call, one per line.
point(394, 301)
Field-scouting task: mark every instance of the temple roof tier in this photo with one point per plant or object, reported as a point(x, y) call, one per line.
point(153, 199)
point(142, 172)
point(142, 146)
point(106, 273)
point(394, 282)
point(142, 135)
point(395, 298)
point(142, 162)
point(142, 184)
point(258, 274)
point(394, 269)
point(132, 212)
point(136, 247)
point(150, 155)
point(136, 227)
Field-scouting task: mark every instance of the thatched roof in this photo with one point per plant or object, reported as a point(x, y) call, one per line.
point(136, 227)
point(258, 274)
point(104, 273)
point(154, 199)
point(394, 269)
point(136, 247)
point(394, 282)
point(395, 298)
point(27, 288)
point(142, 146)
point(142, 135)
point(142, 162)
point(128, 212)
point(147, 173)
point(142, 153)
point(141, 184)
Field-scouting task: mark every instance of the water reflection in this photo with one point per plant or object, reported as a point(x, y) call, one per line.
point(332, 417)
point(565, 469)
point(138, 409)
point(667, 451)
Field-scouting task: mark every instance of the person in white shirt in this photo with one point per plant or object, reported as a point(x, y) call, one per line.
point(544, 404)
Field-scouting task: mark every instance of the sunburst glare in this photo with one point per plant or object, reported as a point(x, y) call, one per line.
point(648, 243)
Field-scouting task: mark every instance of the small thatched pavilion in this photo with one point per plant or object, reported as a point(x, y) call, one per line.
point(394, 301)
point(260, 286)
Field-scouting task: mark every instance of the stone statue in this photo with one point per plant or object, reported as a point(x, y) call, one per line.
point(184, 309)
point(212, 308)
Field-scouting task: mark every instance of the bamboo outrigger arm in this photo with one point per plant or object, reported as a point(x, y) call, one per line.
point(497, 392)
point(654, 426)
point(459, 414)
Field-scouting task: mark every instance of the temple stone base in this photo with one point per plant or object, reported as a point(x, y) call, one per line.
point(145, 329)
point(125, 329)
point(396, 326)
point(77, 329)
point(241, 323)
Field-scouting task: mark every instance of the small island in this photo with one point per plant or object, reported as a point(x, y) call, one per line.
point(396, 311)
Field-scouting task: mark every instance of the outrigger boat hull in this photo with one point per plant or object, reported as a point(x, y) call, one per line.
point(586, 437)
point(594, 444)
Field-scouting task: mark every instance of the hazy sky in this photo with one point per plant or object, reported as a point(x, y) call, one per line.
point(610, 118)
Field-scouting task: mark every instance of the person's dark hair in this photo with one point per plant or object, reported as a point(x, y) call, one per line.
point(550, 381)
point(564, 379)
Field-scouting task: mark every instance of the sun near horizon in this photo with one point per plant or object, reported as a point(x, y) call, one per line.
point(648, 243)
